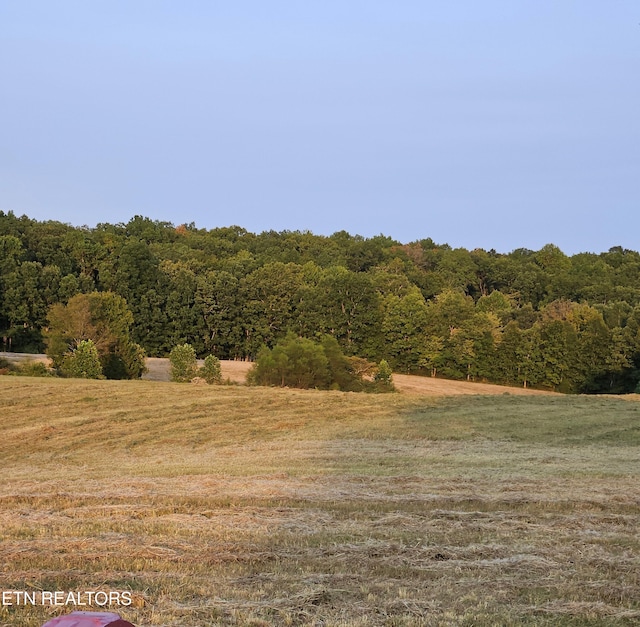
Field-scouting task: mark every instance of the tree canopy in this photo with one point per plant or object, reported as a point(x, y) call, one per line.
point(535, 318)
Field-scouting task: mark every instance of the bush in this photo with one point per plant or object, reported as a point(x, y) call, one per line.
point(6, 367)
point(303, 363)
point(130, 363)
point(183, 363)
point(83, 362)
point(33, 369)
point(294, 362)
point(341, 369)
point(211, 371)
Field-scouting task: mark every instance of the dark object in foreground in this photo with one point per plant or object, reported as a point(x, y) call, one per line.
point(88, 619)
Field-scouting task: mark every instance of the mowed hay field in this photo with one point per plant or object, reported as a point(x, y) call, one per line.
point(231, 505)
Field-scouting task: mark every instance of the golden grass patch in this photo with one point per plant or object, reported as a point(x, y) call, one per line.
point(227, 505)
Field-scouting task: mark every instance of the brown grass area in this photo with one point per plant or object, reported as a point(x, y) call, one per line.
point(429, 386)
point(234, 371)
point(228, 505)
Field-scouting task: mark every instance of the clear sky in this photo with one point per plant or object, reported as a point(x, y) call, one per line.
point(495, 124)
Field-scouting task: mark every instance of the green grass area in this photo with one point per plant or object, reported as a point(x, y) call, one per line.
point(549, 420)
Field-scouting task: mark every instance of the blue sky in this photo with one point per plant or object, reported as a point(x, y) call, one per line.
point(494, 124)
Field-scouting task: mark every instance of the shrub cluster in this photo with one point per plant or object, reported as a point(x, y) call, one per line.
point(184, 366)
point(304, 363)
point(83, 362)
point(25, 369)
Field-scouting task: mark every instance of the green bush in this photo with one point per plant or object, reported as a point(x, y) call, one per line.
point(211, 371)
point(183, 361)
point(304, 363)
point(83, 362)
point(128, 363)
point(294, 362)
point(33, 369)
point(341, 370)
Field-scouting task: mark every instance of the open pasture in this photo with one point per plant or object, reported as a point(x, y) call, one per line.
point(228, 505)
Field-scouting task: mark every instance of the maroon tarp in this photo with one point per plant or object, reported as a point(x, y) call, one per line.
point(88, 619)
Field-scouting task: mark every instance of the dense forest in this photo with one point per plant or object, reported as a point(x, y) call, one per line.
point(535, 318)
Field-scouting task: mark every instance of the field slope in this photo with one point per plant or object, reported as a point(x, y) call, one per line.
point(228, 505)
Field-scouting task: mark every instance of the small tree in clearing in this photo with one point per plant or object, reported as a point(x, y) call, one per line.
point(210, 371)
point(183, 363)
point(383, 378)
point(83, 362)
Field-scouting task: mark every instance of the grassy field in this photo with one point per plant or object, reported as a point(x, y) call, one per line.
point(245, 506)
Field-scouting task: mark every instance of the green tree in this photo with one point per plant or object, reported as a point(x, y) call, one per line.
point(27, 293)
point(557, 354)
point(384, 377)
point(136, 276)
point(103, 318)
point(184, 364)
point(404, 327)
point(496, 302)
point(270, 298)
point(476, 342)
point(347, 306)
point(218, 304)
point(341, 368)
point(432, 354)
point(185, 323)
point(457, 270)
point(447, 312)
point(211, 371)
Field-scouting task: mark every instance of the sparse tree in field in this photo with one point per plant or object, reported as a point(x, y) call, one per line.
point(183, 361)
point(83, 362)
point(384, 377)
point(211, 371)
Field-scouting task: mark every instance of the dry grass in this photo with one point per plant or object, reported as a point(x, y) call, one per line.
point(229, 505)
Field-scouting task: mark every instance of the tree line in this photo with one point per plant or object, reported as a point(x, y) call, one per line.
point(531, 318)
